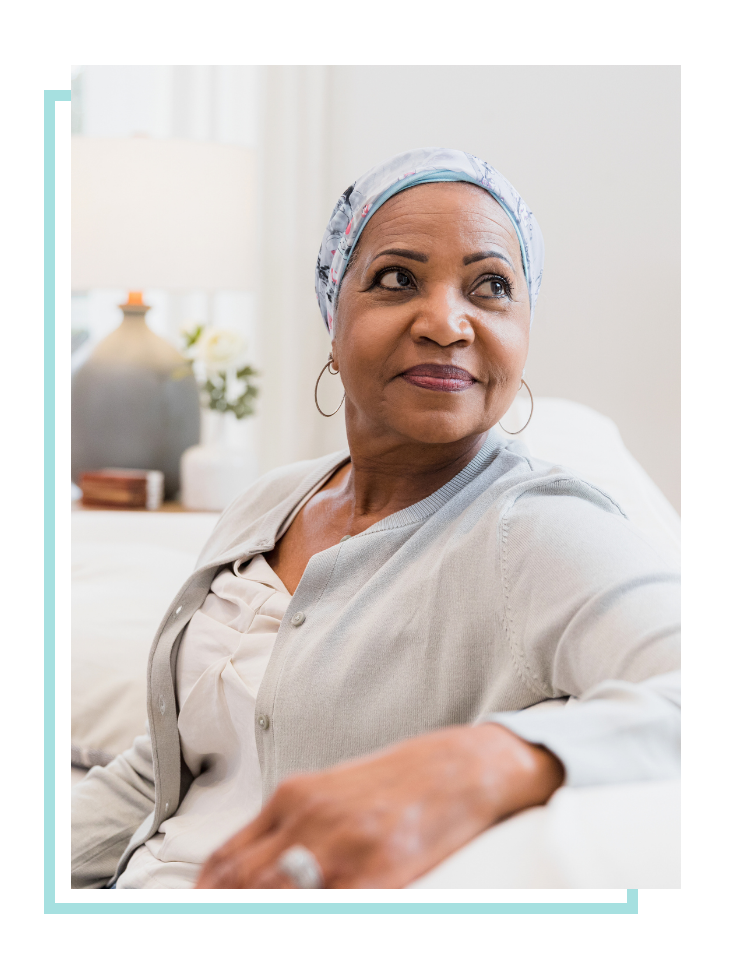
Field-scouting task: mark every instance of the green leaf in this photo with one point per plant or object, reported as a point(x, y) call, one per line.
point(213, 393)
point(191, 338)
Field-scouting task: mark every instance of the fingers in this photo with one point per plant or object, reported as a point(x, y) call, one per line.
point(272, 878)
point(224, 867)
point(341, 841)
point(252, 867)
point(264, 823)
point(246, 860)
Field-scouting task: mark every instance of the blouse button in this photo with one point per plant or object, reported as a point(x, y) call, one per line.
point(263, 722)
point(298, 619)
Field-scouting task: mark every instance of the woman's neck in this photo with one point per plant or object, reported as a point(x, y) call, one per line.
point(379, 480)
point(382, 479)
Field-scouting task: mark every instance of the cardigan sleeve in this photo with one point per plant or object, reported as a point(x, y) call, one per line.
point(617, 732)
point(592, 615)
point(107, 808)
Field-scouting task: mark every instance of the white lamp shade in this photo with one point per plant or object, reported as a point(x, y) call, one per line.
point(162, 213)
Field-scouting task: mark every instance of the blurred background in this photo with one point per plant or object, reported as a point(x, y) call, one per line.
point(206, 189)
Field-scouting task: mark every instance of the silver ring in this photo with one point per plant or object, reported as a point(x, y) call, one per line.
point(301, 866)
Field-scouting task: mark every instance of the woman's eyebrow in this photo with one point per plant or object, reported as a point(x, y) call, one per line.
point(402, 253)
point(480, 255)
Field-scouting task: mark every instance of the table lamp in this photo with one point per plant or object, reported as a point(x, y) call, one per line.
point(151, 213)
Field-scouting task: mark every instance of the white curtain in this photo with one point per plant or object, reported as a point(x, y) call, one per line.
point(295, 209)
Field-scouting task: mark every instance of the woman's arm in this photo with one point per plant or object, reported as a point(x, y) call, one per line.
point(592, 613)
point(385, 820)
point(107, 808)
point(617, 732)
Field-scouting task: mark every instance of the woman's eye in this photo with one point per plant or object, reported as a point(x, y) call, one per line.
point(492, 288)
point(395, 279)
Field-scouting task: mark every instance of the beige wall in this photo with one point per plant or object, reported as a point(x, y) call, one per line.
point(594, 151)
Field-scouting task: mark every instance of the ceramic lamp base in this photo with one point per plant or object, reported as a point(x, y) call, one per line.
point(134, 403)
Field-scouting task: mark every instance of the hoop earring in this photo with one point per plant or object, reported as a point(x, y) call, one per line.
point(532, 407)
point(333, 373)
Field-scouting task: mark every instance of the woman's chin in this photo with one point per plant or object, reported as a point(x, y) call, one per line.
point(437, 428)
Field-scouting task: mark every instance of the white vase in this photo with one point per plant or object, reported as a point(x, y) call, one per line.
point(222, 466)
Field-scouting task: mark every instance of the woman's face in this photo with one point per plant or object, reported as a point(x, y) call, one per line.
point(433, 319)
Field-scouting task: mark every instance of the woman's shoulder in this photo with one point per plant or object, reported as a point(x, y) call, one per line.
point(266, 494)
point(547, 507)
point(279, 483)
point(537, 485)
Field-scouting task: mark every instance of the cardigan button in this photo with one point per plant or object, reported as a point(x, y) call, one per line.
point(263, 722)
point(299, 618)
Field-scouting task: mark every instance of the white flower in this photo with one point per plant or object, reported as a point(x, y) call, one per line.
point(218, 351)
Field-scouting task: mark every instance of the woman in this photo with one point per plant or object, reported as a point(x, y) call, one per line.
point(364, 634)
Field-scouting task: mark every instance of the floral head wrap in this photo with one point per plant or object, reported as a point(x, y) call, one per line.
point(433, 165)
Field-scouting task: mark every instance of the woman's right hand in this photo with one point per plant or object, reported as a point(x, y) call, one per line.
point(387, 819)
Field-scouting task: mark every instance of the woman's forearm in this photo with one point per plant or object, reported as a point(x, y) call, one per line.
point(511, 774)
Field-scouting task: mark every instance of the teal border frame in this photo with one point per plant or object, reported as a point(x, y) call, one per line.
point(49, 415)
point(630, 907)
point(362, 909)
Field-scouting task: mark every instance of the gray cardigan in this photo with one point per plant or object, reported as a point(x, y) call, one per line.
point(514, 583)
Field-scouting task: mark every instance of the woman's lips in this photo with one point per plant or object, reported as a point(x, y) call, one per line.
point(437, 376)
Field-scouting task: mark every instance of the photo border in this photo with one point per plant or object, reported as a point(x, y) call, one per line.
point(53, 766)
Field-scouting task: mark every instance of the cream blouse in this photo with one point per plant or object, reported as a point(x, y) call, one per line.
point(222, 659)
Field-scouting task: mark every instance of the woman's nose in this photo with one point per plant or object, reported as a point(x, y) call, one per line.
point(443, 318)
